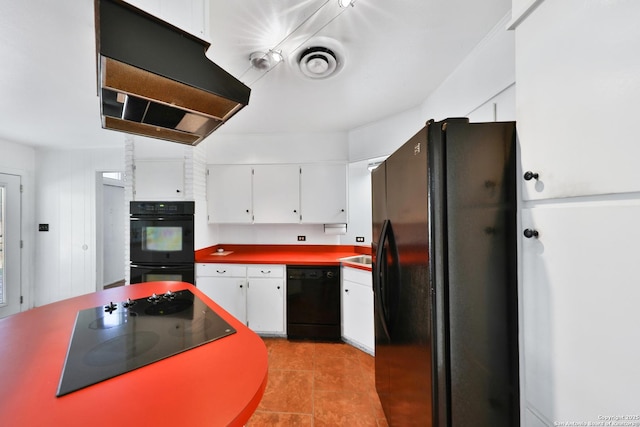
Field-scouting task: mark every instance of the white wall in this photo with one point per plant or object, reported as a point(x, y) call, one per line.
point(485, 77)
point(65, 256)
point(19, 159)
point(487, 72)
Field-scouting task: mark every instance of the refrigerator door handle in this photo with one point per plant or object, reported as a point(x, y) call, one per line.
point(381, 261)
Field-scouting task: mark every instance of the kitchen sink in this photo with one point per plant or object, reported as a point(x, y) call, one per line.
point(358, 259)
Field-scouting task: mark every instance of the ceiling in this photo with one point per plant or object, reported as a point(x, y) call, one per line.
point(393, 54)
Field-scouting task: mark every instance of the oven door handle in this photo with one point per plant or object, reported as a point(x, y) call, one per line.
point(162, 218)
point(162, 267)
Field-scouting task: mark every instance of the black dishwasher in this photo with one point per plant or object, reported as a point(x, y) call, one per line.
point(313, 303)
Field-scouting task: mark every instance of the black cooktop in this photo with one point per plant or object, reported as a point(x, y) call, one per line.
point(119, 337)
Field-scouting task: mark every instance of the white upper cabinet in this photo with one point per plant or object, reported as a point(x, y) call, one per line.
point(229, 194)
point(188, 15)
point(578, 95)
point(276, 194)
point(159, 179)
point(323, 196)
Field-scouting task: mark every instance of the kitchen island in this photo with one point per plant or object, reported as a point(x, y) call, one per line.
point(216, 384)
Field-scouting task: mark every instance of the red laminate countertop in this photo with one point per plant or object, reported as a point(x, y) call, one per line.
point(282, 254)
point(217, 384)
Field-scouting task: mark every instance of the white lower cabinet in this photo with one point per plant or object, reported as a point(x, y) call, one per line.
point(265, 299)
point(226, 284)
point(357, 308)
point(253, 294)
point(579, 311)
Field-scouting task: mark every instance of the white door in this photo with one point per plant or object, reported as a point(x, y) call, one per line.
point(10, 259)
point(113, 242)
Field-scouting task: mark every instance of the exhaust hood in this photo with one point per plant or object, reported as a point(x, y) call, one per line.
point(155, 80)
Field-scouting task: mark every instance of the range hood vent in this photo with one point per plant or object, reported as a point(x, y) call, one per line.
point(155, 79)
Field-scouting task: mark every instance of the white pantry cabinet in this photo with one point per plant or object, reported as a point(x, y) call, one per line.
point(357, 308)
point(253, 294)
point(323, 195)
point(580, 295)
point(229, 194)
point(578, 95)
point(158, 179)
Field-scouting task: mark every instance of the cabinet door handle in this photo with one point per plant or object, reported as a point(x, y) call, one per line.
point(529, 233)
point(247, 211)
point(265, 272)
point(346, 290)
point(528, 176)
point(278, 287)
point(240, 286)
point(221, 272)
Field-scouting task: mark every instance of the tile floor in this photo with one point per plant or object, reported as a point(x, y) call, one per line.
point(318, 384)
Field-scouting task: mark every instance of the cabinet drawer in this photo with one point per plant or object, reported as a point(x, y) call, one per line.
point(266, 271)
point(356, 275)
point(221, 270)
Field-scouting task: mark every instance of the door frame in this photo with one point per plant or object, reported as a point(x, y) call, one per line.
point(16, 294)
point(101, 181)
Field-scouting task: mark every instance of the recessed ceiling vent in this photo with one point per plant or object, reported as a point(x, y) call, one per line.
point(319, 62)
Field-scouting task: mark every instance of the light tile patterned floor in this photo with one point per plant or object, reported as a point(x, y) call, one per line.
point(318, 384)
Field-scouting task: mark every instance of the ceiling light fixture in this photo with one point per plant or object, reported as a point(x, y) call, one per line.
point(264, 61)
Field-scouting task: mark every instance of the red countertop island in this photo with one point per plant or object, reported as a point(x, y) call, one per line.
point(219, 383)
point(282, 254)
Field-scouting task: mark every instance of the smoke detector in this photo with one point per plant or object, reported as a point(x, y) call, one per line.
point(319, 62)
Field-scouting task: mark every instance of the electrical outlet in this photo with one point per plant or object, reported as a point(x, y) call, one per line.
point(43, 227)
point(302, 238)
point(360, 239)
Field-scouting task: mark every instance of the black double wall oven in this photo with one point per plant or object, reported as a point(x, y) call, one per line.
point(161, 241)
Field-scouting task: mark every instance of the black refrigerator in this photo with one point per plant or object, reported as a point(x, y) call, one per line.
point(445, 278)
